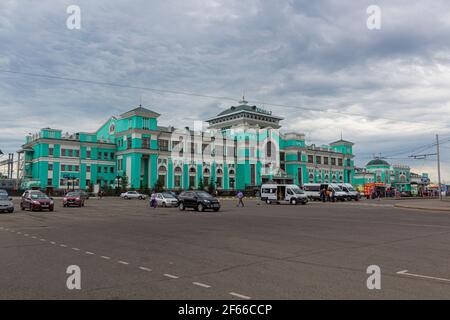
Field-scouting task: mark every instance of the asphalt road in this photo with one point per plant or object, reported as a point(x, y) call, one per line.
point(127, 250)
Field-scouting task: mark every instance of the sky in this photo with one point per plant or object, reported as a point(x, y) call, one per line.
point(315, 63)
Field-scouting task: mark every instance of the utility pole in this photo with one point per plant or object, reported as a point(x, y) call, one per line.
point(438, 166)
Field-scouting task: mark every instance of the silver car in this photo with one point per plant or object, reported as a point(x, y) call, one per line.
point(6, 204)
point(133, 195)
point(166, 199)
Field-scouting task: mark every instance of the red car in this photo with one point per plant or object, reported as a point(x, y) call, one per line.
point(36, 200)
point(73, 199)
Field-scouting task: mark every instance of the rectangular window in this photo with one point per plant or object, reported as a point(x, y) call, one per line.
point(163, 145)
point(99, 155)
point(339, 161)
point(77, 168)
point(282, 156)
point(61, 182)
point(50, 182)
point(50, 167)
point(50, 152)
point(129, 143)
point(145, 143)
point(88, 182)
point(299, 156)
point(231, 183)
point(88, 168)
point(310, 159)
point(325, 160)
point(219, 182)
point(88, 154)
point(192, 181)
point(119, 164)
point(333, 161)
point(111, 169)
point(63, 152)
point(99, 169)
point(105, 169)
point(318, 159)
point(105, 155)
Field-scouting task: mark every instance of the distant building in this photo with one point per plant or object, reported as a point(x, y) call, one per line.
point(380, 174)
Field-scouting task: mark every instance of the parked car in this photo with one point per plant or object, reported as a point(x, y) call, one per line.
point(74, 198)
point(6, 204)
point(278, 193)
point(83, 194)
point(3, 191)
point(166, 199)
point(198, 200)
point(36, 200)
point(133, 195)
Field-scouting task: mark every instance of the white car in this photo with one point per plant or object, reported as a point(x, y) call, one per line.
point(166, 199)
point(133, 195)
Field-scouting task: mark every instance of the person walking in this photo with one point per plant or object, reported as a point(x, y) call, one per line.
point(240, 196)
point(153, 202)
point(258, 198)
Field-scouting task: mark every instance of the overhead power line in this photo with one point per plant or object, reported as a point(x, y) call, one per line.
point(330, 109)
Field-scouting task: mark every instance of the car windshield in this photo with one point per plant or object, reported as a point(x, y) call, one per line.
point(350, 189)
point(38, 196)
point(203, 194)
point(168, 195)
point(72, 194)
point(3, 196)
point(297, 190)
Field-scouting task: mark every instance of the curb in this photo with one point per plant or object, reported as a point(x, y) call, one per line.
point(423, 208)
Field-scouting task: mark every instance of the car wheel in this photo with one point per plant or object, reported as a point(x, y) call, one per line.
point(304, 202)
point(181, 206)
point(140, 198)
point(51, 209)
point(200, 207)
point(294, 202)
point(216, 209)
point(268, 201)
point(164, 204)
point(22, 207)
point(126, 198)
point(11, 210)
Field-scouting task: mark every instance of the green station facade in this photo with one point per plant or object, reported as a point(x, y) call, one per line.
point(240, 148)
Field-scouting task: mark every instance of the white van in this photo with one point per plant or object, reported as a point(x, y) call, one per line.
point(352, 194)
point(312, 190)
point(339, 194)
point(279, 193)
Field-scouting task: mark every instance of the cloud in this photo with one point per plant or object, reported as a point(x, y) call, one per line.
point(312, 54)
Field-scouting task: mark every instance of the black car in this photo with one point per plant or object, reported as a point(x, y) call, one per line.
point(198, 200)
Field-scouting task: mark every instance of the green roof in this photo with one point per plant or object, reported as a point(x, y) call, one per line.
point(377, 162)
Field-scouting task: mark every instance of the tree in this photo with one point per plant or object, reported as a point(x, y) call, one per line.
point(211, 186)
point(159, 186)
point(124, 183)
point(201, 186)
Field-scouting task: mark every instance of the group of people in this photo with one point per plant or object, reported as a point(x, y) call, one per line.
point(327, 195)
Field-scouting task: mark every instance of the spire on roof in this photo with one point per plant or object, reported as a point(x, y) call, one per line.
point(243, 101)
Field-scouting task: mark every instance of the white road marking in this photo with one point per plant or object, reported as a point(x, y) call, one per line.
point(239, 295)
point(170, 276)
point(63, 245)
point(201, 284)
point(34, 237)
point(26, 234)
point(405, 272)
point(105, 257)
point(52, 242)
point(123, 262)
point(76, 249)
point(145, 269)
point(18, 232)
point(42, 239)
point(88, 252)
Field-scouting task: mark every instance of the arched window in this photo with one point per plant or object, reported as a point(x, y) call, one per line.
point(162, 169)
point(231, 172)
point(206, 171)
point(192, 170)
point(219, 171)
point(178, 170)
